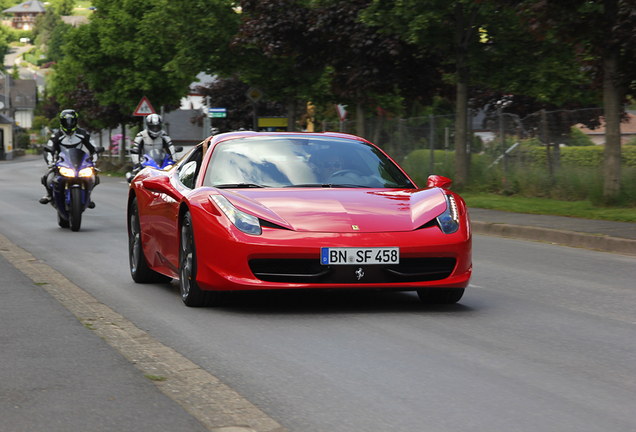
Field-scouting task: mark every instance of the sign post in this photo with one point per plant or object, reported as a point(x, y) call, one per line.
point(254, 94)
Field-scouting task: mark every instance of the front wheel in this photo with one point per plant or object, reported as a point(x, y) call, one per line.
point(191, 294)
point(75, 214)
point(139, 269)
point(441, 295)
point(63, 223)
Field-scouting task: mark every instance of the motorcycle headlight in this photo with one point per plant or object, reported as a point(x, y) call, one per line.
point(449, 220)
point(86, 172)
point(244, 222)
point(67, 172)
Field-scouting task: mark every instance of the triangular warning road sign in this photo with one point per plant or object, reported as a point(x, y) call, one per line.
point(342, 112)
point(144, 108)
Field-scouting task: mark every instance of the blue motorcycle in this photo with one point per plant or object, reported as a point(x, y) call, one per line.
point(156, 159)
point(75, 178)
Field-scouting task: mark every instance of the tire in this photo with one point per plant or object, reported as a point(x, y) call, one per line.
point(63, 223)
point(441, 295)
point(191, 294)
point(139, 269)
point(75, 215)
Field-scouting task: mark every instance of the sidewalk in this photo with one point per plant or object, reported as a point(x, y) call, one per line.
point(57, 376)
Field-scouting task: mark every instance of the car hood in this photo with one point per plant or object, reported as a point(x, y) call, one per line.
point(341, 210)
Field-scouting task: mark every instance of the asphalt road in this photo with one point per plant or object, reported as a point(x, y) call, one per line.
point(543, 340)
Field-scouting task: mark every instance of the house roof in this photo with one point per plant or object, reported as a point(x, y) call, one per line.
point(6, 119)
point(627, 127)
point(27, 6)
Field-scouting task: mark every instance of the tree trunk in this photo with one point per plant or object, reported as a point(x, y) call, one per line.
point(612, 112)
point(360, 114)
point(461, 114)
point(463, 34)
point(122, 145)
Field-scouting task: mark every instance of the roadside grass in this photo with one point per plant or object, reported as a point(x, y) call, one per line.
point(156, 377)
point(571, 191)
point(547, 206)
point(112, 174)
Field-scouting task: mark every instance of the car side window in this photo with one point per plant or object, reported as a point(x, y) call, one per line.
point(187, 174)
point(189, 171)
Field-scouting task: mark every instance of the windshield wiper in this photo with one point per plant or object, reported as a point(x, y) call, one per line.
point(325, 185)
point(309, 185)
point(239, 186)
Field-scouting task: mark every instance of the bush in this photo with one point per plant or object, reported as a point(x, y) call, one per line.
point(589, 156)
point(23, 141)
point(579, 177)
point(579, 139)
point(14, 35)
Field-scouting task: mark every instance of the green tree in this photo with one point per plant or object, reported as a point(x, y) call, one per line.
point(64, 7)
point(131, 49)
point(4, 43)
point(44, 26)
point(601, 32)
point(54, 49)
point(450, 29)
point(308, 45)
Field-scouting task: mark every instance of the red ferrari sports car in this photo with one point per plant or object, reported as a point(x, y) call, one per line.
point(269, 211)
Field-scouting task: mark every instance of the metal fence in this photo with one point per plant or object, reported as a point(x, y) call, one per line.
point(400, 136)
point(496, 136)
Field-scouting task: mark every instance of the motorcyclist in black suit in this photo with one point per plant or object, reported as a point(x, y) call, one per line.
point(67, 136)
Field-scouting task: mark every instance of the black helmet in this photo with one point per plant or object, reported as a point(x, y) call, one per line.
point(68, 121)
point(153, 125)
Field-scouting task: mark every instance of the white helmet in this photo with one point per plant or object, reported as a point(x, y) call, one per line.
point(153, 125)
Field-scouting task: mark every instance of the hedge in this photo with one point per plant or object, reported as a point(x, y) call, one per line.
point(586, 157)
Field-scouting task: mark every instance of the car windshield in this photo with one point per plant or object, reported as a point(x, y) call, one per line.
point(301, 161)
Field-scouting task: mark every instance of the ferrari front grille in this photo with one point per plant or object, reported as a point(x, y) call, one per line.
point(311, 271)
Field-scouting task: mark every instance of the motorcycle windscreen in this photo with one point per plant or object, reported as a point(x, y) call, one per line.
point(157, 156)
point(75, 156)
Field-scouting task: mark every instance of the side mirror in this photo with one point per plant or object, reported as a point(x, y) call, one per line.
point(439, 181)
point(100, 150)
point(178, 149)
point(161, 184)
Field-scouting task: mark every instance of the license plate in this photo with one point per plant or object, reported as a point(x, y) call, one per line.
point(357, 256)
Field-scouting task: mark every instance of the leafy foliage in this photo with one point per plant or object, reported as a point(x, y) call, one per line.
point(131, 49)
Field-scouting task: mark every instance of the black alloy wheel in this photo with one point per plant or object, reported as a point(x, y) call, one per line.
point(139, 269)
point(75, 213)
point(191, 294)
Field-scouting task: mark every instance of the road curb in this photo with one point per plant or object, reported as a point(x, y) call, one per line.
point(217, 406)
point(598, 242)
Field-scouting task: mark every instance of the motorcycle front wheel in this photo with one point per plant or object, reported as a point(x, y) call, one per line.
point(76, 209)
point(63, 223)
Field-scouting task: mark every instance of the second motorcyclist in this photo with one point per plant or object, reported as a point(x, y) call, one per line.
point(69, 135)
point(151, 138)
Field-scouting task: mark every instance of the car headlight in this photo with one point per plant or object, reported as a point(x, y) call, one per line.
point(67, 172)
point(86, 172)
point(449, 220)
point(244, 222)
